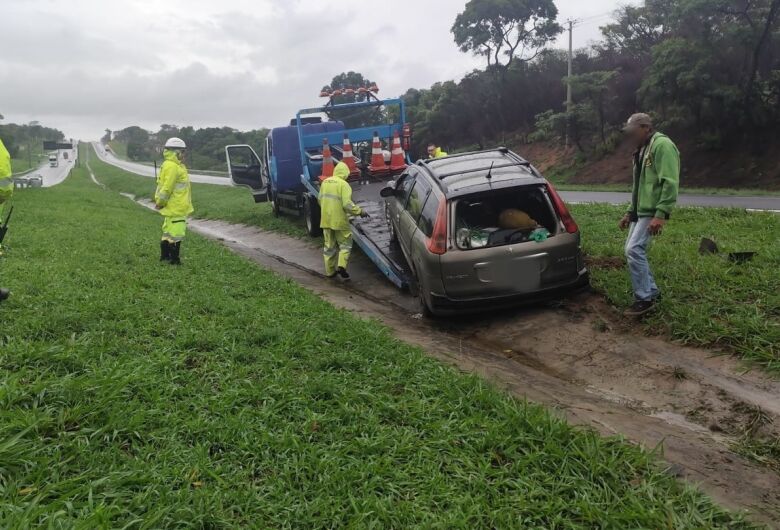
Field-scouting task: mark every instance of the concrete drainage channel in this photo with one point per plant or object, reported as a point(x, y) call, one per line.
point(575, 358)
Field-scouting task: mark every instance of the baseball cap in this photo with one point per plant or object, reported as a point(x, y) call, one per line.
point(638, 120)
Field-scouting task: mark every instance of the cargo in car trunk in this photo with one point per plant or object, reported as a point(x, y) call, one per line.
point(507, 242)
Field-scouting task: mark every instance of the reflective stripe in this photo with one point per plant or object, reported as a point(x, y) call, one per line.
point(164, 196)
point(329, 252)
point(330, 196)
point(7, 181)
point(181, 186)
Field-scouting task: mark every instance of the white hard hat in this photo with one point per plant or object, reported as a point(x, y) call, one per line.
point(175, 143)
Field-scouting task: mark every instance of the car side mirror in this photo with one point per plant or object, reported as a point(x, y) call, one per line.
point(387, 192)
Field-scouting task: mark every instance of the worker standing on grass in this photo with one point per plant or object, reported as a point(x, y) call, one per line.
point(6, 191)
point(173, 199)
point(336, 206)
point(656, 184)
point(434, 151)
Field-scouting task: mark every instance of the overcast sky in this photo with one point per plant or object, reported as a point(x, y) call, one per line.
point(86, 65)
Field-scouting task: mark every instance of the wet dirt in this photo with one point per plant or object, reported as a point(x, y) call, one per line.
point(578, 357)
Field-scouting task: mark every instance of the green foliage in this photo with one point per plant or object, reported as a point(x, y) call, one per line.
point(498, 29)
point(205, 147)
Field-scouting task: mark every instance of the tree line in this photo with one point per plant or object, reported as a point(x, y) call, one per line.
point(205, 147)
point(708, 70)
point(26, 140)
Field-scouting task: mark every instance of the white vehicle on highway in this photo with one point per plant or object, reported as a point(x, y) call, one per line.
point(53, 160)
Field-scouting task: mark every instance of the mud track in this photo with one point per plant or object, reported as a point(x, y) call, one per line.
point(573, 356)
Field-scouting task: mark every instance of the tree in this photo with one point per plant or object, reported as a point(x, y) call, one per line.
point(508, 29)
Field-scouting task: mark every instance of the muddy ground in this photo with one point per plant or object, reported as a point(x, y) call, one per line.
point(578, 357)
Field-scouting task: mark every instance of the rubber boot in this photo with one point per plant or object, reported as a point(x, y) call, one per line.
point(165, 250)
point(175, 250)
point(4, 293)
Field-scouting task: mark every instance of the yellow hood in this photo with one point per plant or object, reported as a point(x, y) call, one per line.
point(341, 171)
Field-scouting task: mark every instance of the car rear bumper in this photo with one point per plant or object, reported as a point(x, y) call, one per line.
point(442, 305)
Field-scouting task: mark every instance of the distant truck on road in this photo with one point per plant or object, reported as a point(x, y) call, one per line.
point(53, 160)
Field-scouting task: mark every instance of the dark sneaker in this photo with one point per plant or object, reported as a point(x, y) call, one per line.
point(639, 308)
point(342, 272)
point(4, 294)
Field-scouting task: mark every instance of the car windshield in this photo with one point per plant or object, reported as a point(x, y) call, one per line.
point(504, 217)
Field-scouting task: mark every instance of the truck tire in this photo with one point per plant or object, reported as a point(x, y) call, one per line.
point(311, 215)
point(274, 202)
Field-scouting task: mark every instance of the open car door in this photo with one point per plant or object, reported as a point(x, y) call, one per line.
point(246, 169)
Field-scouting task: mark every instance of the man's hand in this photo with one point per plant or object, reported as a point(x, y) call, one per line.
point(656, 226)
point(625, 222)
point(364, 214)
point(158, 206)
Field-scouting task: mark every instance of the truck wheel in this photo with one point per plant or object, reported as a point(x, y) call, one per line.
point(311, 214)
point(274, 202)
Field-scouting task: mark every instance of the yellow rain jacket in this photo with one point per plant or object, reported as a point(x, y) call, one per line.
point(6, 182)
point(174, 193)
point(438, 153)
point(336, 200)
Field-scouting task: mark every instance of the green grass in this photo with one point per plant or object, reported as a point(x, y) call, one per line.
point(707, 300)
point(230, 204)
point(139, 395)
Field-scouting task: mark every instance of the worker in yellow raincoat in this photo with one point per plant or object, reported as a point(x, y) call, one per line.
point(434, 151)
point(336, 206)
point(173, 199)
point(6, 190)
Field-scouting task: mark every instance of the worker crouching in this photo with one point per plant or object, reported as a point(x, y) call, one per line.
point(336, 206)
point(173, 199)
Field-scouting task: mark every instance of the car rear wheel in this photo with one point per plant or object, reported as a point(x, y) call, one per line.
point(390, 227)
point(311, 214)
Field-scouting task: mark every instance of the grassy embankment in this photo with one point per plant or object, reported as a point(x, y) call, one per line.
point(707, 300)
point(139, 395)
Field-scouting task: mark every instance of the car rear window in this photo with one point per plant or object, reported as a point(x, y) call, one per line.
point(504, 217)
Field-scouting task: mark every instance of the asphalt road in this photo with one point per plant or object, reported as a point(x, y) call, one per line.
point(707, 201)
point(55, 175)
point(148, 171)
point(602, 197)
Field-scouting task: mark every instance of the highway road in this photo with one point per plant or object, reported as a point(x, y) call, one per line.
point(708, 201)
point(148, 171)
point(602, 197)
point(55, 175)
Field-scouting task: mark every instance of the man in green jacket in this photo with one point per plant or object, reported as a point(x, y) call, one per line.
point(656, 184)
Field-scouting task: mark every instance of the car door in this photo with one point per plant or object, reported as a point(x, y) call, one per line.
point(246, 169)
point(411, 214)
point(396, 204)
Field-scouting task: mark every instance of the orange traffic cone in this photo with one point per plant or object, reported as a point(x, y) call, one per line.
point(348, 158)
point(397, 158)
point(378, 166)
point(327, 161)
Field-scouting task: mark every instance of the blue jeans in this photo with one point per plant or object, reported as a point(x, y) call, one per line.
point(637, 245)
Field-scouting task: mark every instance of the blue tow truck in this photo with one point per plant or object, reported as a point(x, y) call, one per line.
point(287, 174)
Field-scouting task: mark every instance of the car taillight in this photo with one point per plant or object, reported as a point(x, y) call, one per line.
point(437, 244)
point(563, 212)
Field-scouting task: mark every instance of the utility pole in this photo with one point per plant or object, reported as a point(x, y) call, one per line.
point(569, 101)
